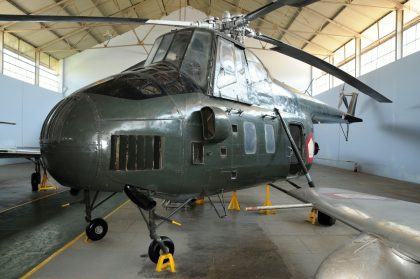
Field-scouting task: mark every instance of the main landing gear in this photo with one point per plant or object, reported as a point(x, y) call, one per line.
point(160, 245)
point(36, 176)
point(96, 228)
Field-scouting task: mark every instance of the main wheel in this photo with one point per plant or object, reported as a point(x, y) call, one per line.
point(155, 250)
point(325, 219)
point(35, 180)
point(96, 229)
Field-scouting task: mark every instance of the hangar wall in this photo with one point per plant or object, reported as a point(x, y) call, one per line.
point(26, 105)
point(93, 64)
point(387, 142)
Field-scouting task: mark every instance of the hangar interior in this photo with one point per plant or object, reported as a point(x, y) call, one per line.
point(376, 41)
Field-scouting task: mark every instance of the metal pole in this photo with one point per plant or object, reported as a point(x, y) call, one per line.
point(284, 206)
point(295, 149)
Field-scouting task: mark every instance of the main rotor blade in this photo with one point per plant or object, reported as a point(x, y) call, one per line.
point(274, 6)
point(93, 19)
point(324, 66)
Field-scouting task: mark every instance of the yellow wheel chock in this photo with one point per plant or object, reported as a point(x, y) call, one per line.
point(267, 202)
point(199, 201)
point(45, 184)
point(162, 265)
point(234, 203)
point(312, 216)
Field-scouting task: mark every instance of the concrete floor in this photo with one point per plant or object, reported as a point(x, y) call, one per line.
point(33, 225)
point(242, 245)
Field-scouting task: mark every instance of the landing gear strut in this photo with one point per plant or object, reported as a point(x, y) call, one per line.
point(160, 244)
point(96, 228)
point(36, 176)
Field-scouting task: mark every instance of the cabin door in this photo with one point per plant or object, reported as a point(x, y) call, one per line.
point(297, 135)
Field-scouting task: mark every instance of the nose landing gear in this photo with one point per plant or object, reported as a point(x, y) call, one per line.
point(160, 246)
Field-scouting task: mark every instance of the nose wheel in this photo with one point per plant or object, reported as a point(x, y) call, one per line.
point(96, 229)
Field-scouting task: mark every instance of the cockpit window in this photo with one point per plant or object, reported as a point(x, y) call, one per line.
point(257, 71)
point(128, 87)
point(188, 50)
point(153, 51)
point(163, 48)
point(178, 47)
point(196, 58)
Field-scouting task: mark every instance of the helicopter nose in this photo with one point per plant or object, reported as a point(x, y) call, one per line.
point(70, 141)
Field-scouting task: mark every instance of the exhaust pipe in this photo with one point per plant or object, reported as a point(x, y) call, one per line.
point(141, 200)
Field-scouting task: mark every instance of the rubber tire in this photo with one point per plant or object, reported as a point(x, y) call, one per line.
point(74, 191)
point(325, 220)
point(35, 180)
point(96, 229)
point(154, 248)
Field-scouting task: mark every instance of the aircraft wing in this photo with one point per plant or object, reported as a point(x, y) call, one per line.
point(394, 222)
point(20, 153)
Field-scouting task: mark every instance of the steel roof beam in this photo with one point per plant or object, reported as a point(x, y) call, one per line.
point(86, 26)
point(332, 21)
point(43, 9)
point(327, 22)
point(103, 14)
point(290, 23)
point(21, 9)
point(98, 41)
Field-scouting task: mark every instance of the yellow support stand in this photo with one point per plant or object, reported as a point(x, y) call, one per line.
point(312, 216)
point(234, 203)
point(199, 201)
point(45, 184)
point(267, 202)
point(162, 265)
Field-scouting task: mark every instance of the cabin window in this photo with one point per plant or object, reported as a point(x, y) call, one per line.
point(223, 151)
point(250, 138)
point(234, 128)
point(197, 153)
point(163, 48)
point(270, 144)
point(197, 57)
point(226, 74)
point(136, 152)
point(178, 47)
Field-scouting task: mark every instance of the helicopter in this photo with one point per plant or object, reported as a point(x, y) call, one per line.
point(199, 117)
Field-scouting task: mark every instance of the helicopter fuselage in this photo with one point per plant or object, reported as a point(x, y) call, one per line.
point(160, 130)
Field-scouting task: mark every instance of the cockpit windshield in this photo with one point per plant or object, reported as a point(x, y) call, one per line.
point(189, 50)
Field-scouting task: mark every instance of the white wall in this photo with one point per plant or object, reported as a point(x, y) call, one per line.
point(387, 143)
point(26, 105)
point(94, 64)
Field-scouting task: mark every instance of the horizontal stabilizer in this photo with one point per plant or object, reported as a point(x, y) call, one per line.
point(20, 153)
